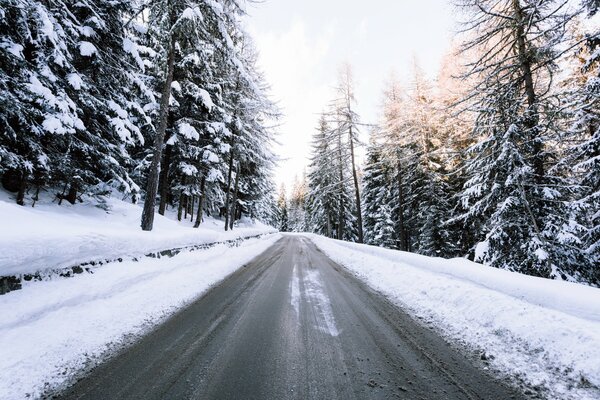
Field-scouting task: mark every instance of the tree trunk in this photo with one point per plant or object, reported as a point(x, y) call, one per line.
point(153, 173)
point(356, 189)
point(199, 215)
point(164, 180)
point(61, 196)
point(22, 190)
point(235, 195)
point(186, 206)
point(341, 212)
point(328, 224)
point(229, 173)
point(72, 194)
point(532, 117)
point(181, 203)
point(402, 245)
point(36, 197)
point(192, 209)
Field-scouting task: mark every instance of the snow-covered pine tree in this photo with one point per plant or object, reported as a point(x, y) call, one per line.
point(378, 222)
point(321, 204)
point(190, 153)
point(413, 149)
point(330, 205)
point(581, 157)
point(297, 205)
point(525, 223)
point(181, 29)
point(252, 139)
point(454, 124)
point(69, 76)
point(396, 154)
point(282, 207)
point(428, 193)
point(333, 205)
point(31, 101)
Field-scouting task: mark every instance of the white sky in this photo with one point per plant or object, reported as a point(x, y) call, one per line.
point(302, 43)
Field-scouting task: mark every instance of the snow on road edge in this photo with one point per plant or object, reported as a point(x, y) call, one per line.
point(554, 350)
point(51, 330)
point(50, 237)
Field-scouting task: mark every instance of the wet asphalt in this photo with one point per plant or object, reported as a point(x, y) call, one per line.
point(291, 324)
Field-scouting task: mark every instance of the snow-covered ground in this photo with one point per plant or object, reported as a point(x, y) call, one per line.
point(51, 330)
point(543, 332)
point(49, 236)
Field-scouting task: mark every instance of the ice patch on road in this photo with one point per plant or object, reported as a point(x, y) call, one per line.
point(295, 291)
point(316, 295)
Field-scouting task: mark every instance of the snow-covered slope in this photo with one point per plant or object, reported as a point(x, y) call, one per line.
point(52, 237)
point(544, 332)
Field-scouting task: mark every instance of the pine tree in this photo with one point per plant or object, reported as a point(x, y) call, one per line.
point(282, 206)
point(67, 80)
point(524, 220)
point(297, 205)
point(580, 160)
point(347, 122)
point(378, 219)
point(331, 207)
point(321, 203)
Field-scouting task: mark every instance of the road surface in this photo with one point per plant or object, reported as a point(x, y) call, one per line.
point(291, 324)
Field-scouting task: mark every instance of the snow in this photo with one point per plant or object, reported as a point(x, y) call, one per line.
point(187, 169)
point(318, 298)
point(50, 237)
point(188, 131)
point(13, 48)
point(36, 87)
point(481, 250)
point(210, 156)
point(132, 48)
point(75, 81)
point(206, 99)
point(88, 31)
point(541, 254)
point(54, 125)
point(51, 330)
point(295, 292)
point(543, 332)
point(176, 86)
point(87, 49)
point(117, 109)
point(192, 13)
point(214, 175)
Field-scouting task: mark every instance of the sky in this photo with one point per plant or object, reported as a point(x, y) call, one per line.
point(302, 45)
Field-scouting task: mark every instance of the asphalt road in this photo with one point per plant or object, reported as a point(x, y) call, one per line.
point(291, 324)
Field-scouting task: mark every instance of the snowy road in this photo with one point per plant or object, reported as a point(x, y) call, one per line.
point(290, 325)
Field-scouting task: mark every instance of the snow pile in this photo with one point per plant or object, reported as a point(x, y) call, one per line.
point(51, 330)
point(53, 237)
point(543, 332)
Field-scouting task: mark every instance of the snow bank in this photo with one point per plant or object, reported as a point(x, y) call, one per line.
point(50, 330)
point(53, 237)
point(544, 332)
